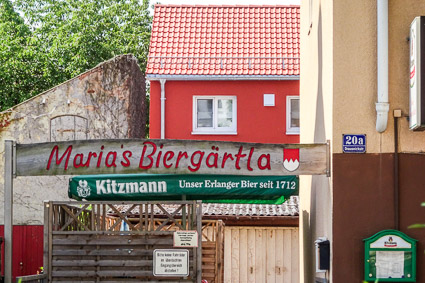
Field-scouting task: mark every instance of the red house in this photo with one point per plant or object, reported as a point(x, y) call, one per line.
point(225, 73)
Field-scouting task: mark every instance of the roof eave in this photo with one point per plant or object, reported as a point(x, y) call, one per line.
point(155, 77)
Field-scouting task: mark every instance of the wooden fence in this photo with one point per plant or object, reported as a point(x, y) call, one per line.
point(212, 250)
point(84, 243)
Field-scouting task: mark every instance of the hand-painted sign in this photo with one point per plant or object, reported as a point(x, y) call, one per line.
point(354, 143)
point(170, 157)
point(217, 188)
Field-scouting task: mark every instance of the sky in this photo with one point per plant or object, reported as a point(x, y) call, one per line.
point(229, 2)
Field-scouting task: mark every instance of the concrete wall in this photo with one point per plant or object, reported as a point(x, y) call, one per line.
point(316, 100)
point(102, 103)
point(338, 91)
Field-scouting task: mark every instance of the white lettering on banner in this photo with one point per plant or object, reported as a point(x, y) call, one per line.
point(107, 187)
point(216, 184)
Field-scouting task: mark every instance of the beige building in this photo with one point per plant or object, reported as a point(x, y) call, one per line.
point(341, 42)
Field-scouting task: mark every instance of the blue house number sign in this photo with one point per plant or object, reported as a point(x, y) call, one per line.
point(354, 143)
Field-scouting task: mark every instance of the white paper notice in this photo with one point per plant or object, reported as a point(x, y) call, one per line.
point(389, 264)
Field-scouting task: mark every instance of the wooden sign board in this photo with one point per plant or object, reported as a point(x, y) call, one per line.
point(170, 157)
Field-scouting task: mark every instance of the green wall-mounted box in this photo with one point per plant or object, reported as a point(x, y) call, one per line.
point(390, 256)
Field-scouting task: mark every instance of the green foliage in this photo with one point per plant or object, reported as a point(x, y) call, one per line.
point(417, 225)
point(51, 41)
point(21, 66)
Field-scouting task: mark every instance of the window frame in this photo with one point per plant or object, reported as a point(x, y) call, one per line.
point(291, 130)
point(214, 130)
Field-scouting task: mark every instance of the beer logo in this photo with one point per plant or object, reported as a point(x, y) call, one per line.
point(291, 159)
point(390, 242)
point(83, 189)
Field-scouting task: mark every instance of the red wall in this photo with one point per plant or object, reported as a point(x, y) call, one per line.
point(27, 248)
point(255, 122)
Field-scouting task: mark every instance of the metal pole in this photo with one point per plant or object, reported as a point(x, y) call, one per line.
point(184, 213)
point(199, 250)
point(8, 208)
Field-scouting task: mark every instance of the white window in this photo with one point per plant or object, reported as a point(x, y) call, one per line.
point(292, 115)
point(214, 115)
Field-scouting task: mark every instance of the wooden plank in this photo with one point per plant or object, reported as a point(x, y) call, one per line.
point(208, 252)
point(208, 267)
point(208, 245)
point(116, 241)
point(32, 278)
point(295, 271)
point(74, 273)
point(279, 255)
point(127, 235)
point(235, 255)
point(270, 255)
point(251, 255)
point(111, 232)
point(260, 256)
point(208, 274)
point(101, 273)
point(125, 263)
point(43, 158)
point(220, 252)
point(208, 259)
point(228, 255)
point(243, 255)
point(287, 255)
point(114, 252)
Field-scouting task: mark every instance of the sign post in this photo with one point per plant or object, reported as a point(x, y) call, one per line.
point(9, 147)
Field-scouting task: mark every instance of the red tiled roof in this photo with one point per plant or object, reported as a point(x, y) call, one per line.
point(225, 40)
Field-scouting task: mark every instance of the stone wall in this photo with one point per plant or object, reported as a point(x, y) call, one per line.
point(106, 102)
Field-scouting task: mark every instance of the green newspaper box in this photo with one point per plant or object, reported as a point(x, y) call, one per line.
point(390, 256)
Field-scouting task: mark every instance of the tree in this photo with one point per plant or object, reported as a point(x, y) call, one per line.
point(21, 74)
point(63, 38)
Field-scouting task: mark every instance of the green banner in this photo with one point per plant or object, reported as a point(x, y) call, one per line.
point(208, 188)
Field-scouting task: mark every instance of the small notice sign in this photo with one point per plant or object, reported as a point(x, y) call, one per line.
point(354, 143)
point(169, 262)
point(185, 239)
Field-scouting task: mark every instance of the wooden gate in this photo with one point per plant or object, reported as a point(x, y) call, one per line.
point(84, 243)
point(261, 254)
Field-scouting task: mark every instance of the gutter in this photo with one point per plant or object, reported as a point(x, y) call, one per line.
point(382, 106)
point(162, 81)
